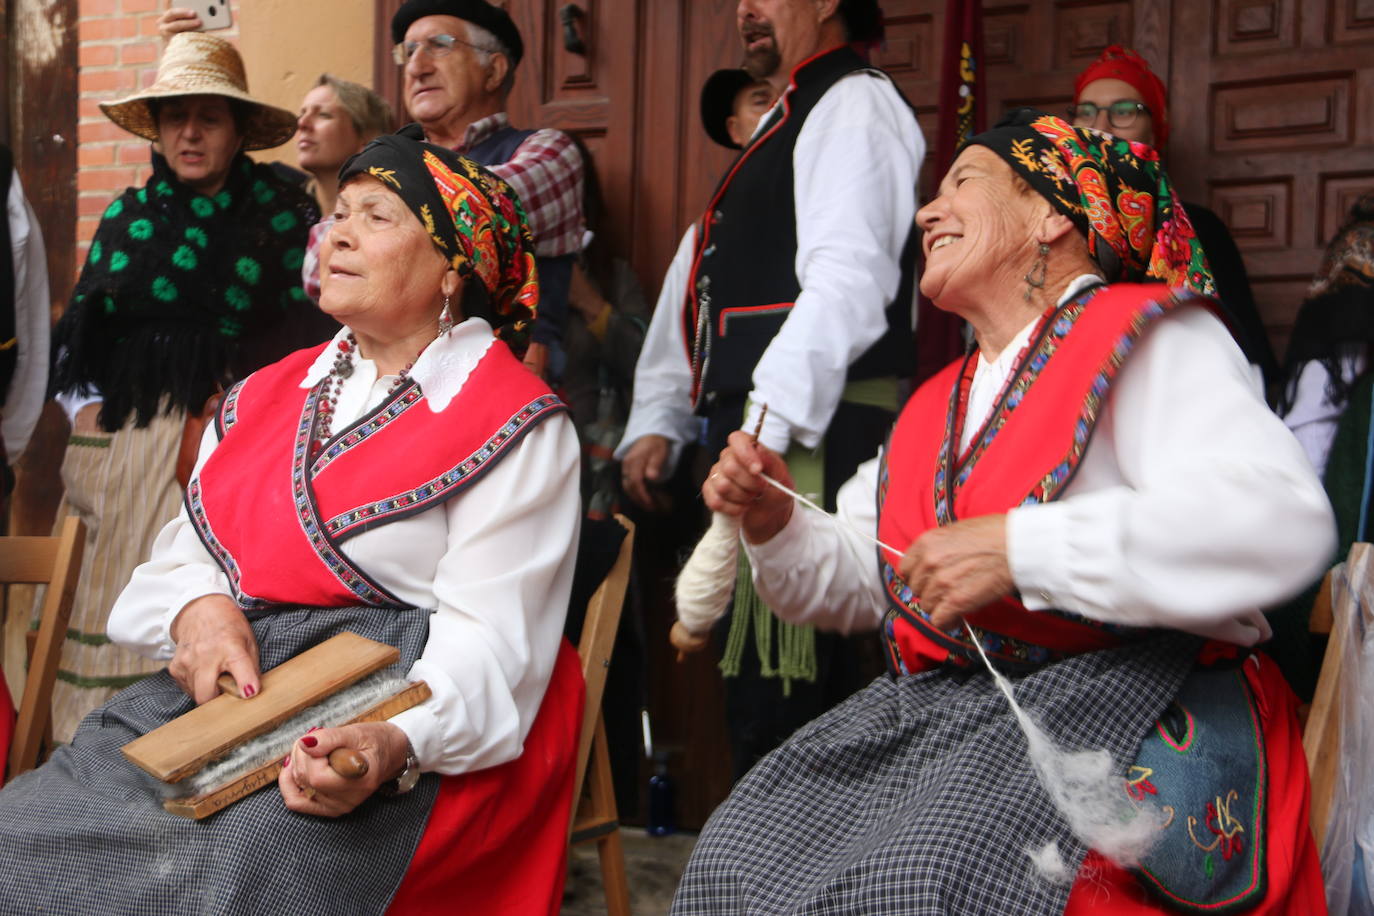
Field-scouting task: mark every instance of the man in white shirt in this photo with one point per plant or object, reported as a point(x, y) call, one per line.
point(798, 289)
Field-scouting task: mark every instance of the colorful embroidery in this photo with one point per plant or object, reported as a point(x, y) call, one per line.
point(445, 485)
point(1225, 829)
point(404, 399)
point(195, 508)
point(306, 514)
point(229, 409)
point(1187, 742)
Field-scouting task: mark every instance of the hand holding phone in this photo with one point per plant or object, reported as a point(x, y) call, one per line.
point(195, 15)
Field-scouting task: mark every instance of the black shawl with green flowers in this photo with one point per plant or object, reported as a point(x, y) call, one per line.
point(182, 293)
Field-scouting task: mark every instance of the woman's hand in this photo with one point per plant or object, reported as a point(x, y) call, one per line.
point(178, 19)
point(309, 785)
point(213, 637)
point(959, 568)
point(736, 487)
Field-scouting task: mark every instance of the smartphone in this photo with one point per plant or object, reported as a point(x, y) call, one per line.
point(214, 14)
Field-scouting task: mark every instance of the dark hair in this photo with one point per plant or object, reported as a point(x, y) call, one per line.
point(863, 20)
point(241, 111)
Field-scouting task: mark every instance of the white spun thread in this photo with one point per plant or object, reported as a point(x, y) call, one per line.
point(833, 518)
point(707, 582)
point(1085, 790)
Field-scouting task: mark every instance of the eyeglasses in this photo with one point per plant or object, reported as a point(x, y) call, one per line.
point(436, 46)
point(1121, 113)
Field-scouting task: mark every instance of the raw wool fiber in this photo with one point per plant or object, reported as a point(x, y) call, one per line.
point(707, 582)
point(1086, 792)
point(277, 743)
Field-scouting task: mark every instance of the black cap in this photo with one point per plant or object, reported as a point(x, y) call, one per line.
point(492, 18)
point(718, 103)
point(863, 20)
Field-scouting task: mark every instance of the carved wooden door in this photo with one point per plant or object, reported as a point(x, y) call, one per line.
point(1275, 101)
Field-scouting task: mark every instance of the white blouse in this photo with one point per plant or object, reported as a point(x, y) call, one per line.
point(496, 564)
point(1192, 508)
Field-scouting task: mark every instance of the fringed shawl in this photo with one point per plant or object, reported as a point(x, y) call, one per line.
point(183, 293)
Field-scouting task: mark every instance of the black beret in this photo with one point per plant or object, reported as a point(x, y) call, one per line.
point(718, 102)
point(492, 18)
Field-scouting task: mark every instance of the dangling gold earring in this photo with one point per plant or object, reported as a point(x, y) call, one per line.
point(1036, 278)
point(445, 318)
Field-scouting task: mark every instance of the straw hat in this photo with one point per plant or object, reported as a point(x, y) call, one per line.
point(195, 63)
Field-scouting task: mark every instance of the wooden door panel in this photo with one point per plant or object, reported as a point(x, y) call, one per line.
point(1275, 131)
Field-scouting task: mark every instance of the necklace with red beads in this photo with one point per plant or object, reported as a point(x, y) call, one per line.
point(333, 385)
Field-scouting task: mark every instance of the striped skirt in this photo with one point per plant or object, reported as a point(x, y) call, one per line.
point(123, 486)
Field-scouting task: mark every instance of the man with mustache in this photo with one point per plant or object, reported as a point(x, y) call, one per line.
point(799, 297)
point(460, 58)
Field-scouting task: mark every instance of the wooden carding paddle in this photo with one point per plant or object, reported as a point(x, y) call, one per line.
point(211, 730)
point(199, 806)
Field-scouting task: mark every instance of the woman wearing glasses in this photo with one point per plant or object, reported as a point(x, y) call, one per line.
point(1119, 94)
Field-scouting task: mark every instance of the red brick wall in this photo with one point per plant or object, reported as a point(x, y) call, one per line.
point(118, 49)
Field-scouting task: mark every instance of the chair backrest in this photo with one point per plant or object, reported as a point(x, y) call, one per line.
point(1334, 614)
point(55, 562)
point(598, 639)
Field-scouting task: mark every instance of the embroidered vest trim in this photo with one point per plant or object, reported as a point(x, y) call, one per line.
point(1025, 453)
point(262, 473)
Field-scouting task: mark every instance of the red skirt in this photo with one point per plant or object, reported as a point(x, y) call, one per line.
point(1294, 874)
point(497, 839)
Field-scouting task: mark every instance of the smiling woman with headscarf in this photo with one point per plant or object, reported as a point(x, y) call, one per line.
point(1100, 493)
point(409, 481)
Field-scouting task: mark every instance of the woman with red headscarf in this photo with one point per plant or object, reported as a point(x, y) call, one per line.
point(1119, 94)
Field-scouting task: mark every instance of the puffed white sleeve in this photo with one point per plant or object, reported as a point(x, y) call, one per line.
point(1215, 512)
point(820, 573)
point(855, 166)
point(661, 403)
point(178, 571)
point(502, 589)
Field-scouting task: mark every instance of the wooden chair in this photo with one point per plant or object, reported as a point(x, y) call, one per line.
point(55, 562)
point(595, 818)
point(1321, 740)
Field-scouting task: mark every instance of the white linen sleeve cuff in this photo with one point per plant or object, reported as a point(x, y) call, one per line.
point(782, 548)
point(1036, 547)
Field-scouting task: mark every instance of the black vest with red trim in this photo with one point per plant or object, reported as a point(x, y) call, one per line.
point(1025, 453)
point(744, 281)
point(274, 516)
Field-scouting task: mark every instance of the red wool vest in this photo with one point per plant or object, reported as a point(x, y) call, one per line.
point(1025, 453)
point(274, 518)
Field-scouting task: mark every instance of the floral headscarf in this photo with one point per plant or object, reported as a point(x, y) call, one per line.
point(473, 217)
point(1114, 190)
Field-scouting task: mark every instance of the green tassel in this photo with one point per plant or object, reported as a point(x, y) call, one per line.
point(796, 645)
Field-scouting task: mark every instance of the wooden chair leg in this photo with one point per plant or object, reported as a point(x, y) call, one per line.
point(608, 847)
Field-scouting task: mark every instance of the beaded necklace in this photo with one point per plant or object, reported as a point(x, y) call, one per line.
point(343, 369)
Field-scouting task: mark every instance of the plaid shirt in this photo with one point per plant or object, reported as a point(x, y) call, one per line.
point(310, 267)
point(546, 173)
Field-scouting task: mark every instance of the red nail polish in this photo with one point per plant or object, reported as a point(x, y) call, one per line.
point(250, 690)
point(310, 741)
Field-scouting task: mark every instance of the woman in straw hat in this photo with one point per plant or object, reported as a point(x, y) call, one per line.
point(192, 281)
point(458, 470)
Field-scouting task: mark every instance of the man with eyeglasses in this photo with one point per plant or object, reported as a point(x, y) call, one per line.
point(1120, 95)
point(460, 58)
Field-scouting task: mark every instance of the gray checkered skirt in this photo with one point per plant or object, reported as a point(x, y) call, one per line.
point(86, 833)
point(916, 795)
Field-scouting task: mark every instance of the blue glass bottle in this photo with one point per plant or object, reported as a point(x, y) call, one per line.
point(661, 820)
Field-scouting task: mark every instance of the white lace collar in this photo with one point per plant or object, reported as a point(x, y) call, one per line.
point(442, 368)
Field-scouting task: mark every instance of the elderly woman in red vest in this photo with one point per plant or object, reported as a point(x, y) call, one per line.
point(409, 481)
point(1100, 493)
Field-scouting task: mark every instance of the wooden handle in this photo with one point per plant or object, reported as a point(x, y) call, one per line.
point(228, 685)
point(348, 763)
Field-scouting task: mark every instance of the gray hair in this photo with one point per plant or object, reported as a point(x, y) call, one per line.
point(370, 113)
point(484, 45)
